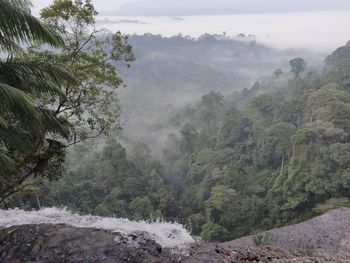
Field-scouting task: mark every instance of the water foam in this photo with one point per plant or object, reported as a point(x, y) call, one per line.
point(166, 234)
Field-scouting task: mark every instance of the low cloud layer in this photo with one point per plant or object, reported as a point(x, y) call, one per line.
point(121, 21)
point(222, 7)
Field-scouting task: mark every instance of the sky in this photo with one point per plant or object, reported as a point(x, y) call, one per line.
point(320, 25)
point(207, 7)
point(103, 6)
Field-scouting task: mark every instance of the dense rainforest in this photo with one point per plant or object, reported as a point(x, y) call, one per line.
point(235, 164)
point(267, 156)
point(172, 72)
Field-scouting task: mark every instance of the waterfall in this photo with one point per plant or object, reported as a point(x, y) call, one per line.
point(170, 235)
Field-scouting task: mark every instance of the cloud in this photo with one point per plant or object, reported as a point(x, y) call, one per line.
point(102, 6)
point(121, 21)
point(218, 7)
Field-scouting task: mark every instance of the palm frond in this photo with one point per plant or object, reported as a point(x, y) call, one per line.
point(8, 45)
point(41, 86)
point(36, 77)
point(16, 102)
point(3, 122)
point(16, 139)
point(18, 24)
point(37, 68)
point(5, 160)
point(54, 124)
point(23, 4)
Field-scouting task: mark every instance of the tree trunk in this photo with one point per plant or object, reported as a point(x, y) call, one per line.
point(37, 201)
point(59, 196)
point(282, 165)
point(312, 115)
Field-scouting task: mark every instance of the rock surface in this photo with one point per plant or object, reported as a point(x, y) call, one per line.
point(63, 243)
point(322, 239)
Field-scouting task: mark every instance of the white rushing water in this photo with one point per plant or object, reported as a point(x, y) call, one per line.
point(166, 234)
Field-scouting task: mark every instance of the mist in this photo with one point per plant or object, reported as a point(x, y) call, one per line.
point(208, 7)
point(298, 30)
point(172, 74)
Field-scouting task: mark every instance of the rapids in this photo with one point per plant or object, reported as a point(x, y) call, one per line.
point(166, 234)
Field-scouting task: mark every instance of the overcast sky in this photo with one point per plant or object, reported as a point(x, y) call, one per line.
point(281, 23)
point(207, 7)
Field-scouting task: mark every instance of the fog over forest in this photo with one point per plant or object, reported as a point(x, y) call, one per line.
point(173, 73)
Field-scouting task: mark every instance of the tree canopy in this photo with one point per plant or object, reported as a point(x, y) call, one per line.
point(53, 95)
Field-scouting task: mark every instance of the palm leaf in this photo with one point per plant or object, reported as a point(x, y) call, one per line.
point(35, 77)
point(41, 86)
point(54, 124)
point(38, 69)
point(22, 4)
point(16, 139)
point(8, 45)
point(14, 101)
point(3, 122)
point(19, 25)
point(5, 160)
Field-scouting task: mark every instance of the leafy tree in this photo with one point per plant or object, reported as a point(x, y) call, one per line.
point(189, 138)
point(214, 232)
point(210, 114)
point(141, 155)
point(277, 146)
point(234, 128)
point(332, 203)
point(141, 207)
point(26, 149)
point(298, 66)
point(92, 106)
point(338, 66)
point(221, 199)
point(72, 107)
point(277, 73)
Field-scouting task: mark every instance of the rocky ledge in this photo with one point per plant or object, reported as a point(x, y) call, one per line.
point(322, 239)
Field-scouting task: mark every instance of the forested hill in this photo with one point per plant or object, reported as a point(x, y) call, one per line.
point(199, 65)
point(171, 72)
point(271, 155)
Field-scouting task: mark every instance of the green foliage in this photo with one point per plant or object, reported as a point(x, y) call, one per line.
point(298, 66)
point(281, 158)
point(53, 98)
point(332, 203)
point(141, 207)
point(106, 183)
point(29, 133)
point(91, 106)
point(214, 232)
point(264, 238)
point(19, 26)
point(234, 129)
point(221, 199)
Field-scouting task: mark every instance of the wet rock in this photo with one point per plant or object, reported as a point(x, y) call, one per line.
point(62, 243)
point(329, 235)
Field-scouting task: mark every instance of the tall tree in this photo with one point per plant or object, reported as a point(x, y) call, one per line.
point(298, 66)
point(76, 106)
point(24, 124)
point(94, 57)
